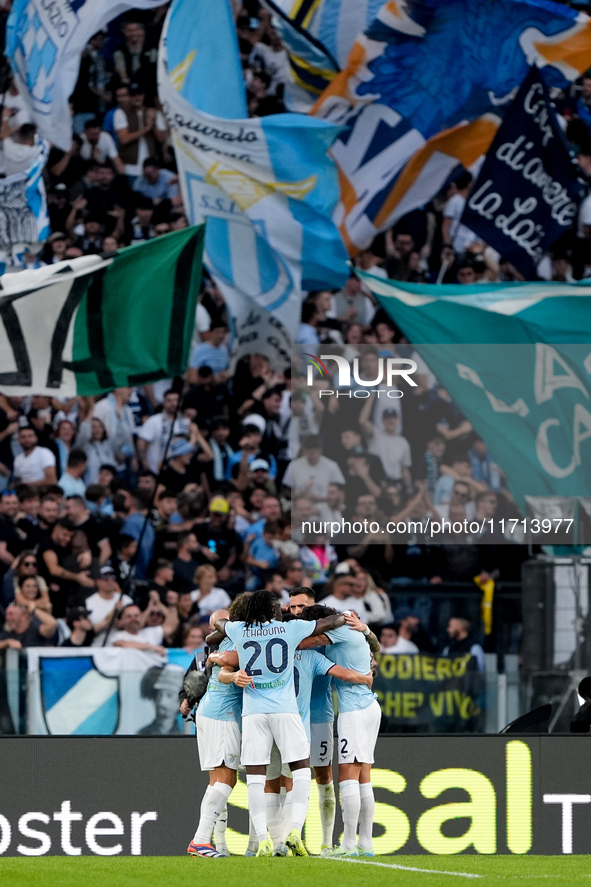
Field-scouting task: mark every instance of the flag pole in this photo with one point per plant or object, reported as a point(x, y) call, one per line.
point(133, 560)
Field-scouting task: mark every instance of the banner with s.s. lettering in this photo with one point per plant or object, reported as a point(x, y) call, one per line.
point(430, 694)
point(528, 190)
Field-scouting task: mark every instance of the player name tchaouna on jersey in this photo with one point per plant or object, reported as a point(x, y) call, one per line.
point(263, 632)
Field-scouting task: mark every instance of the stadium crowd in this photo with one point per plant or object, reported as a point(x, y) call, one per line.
point(90, 518)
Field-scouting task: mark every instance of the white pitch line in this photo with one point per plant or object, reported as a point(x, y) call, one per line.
point(404, 868)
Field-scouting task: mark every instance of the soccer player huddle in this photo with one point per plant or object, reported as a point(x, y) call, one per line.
point(269, 709)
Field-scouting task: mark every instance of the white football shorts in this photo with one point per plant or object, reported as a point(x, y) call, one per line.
point(358, 734)
point(218, 743)
point(321, 744)
point(259, 731)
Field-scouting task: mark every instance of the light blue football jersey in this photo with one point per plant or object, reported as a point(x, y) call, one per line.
point(222, 702)
point(308, 665)
point(350, 649)
point(266, 653)
point(321, 705)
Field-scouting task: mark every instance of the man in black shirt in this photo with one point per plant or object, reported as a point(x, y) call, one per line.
point(78, 620)
point(185, 564)
point(51, 555)
point(219, 545)
point(11, 541)
point(95, 530)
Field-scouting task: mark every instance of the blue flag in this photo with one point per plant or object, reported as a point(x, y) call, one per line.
point(528, 191)
point(265, 186)
point(425, 89)
point(516, 360)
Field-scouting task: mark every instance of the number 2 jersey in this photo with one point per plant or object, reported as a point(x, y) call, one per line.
point(266, 652)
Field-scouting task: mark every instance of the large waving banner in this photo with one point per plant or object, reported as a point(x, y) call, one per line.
point(265, 186)
point(522, 375)
point(425, 89)
point(86, 326)
point(432, 694)
point(528, 191)
point(102, 691)
point(318, 36)
point(44, 42)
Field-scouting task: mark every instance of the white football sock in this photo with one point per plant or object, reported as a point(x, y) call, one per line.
point(257, 804)
point(327, 807)
point(351, 806)
point(253, 841)
point(274, 817)
point(287, 813)
point(219, 830)
point(368, 806)
point(212, 810)
point(300, 793)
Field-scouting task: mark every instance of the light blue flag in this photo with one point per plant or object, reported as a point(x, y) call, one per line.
point(44, 43)
point(24, 219)
point(516, 359)
point(266, 186)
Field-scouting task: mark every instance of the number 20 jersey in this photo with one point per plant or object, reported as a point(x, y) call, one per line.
point(266, 652)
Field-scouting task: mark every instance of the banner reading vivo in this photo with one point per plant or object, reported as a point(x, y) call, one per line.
point(439, 795)
point(528, 191)
point(430, 694)
point(103, 691)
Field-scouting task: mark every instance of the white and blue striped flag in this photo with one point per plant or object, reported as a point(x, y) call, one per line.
point(44, 43)
point(23, 207)
point(265, 185)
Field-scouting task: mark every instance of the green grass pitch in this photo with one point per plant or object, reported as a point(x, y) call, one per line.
point(402, 871)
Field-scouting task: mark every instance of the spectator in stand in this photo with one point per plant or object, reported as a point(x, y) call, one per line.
point(341, 593)
point(312, 473)
point(36, 465)
point(406, 625)
point(94, 441)
point(52, 553)
point(213, 353)
point(80, 626)
point(157, 183)
point(27, 626)
point(135, 60)
point(98, 145)
point(462, 641)
point(19, 150)
point(388, 638)
point(104, 603)
point(64, 439)
point(207, 597)
point(71, 480)
point(29, 590)
point(132, 634)
point(135, 525)
point(91, 96)
point(139, 131)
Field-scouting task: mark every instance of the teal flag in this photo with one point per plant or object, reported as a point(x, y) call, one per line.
point(516, 358)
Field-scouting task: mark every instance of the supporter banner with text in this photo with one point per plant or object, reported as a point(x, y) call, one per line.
point(528, 190)
point(398, 145)
point(433, 694)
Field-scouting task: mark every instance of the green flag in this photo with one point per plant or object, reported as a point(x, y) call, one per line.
point(90, 325)
point(516, 360)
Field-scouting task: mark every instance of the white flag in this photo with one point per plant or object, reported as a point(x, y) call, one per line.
point(44, 43)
